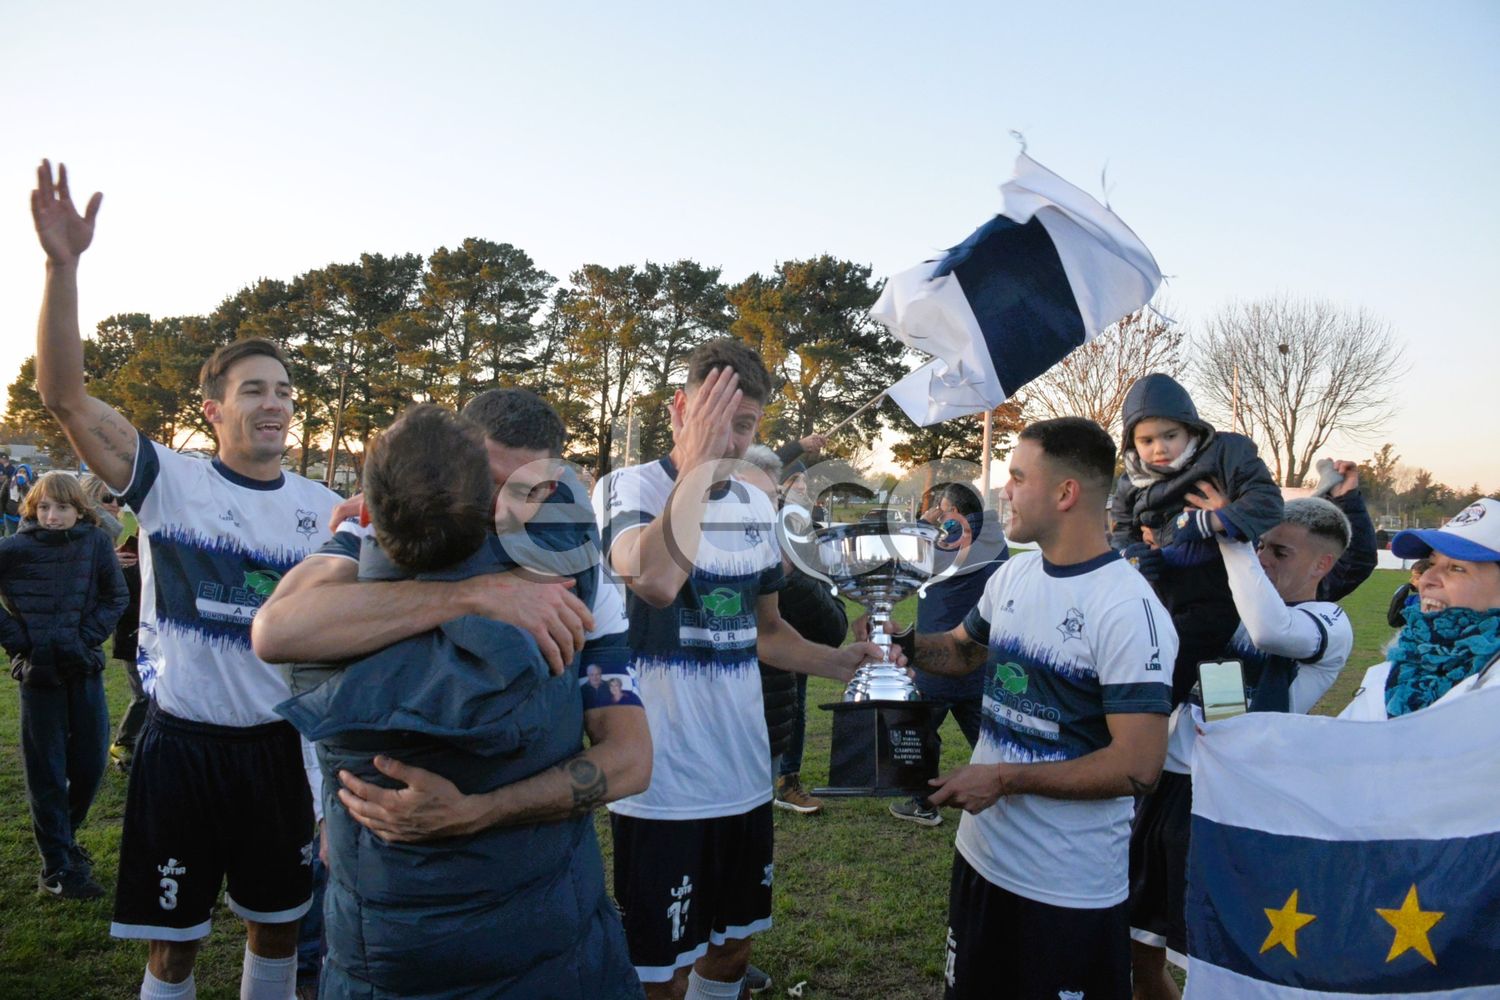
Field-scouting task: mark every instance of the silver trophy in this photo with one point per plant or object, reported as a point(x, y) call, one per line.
point(878, 564)
point(883, 740)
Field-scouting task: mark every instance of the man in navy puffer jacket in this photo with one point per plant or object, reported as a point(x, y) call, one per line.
point(514, 911)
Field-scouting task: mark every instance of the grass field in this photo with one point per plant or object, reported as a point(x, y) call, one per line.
point(861, 899)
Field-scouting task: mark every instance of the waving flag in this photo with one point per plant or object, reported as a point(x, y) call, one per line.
point(1333, 858)
point(1046, 276)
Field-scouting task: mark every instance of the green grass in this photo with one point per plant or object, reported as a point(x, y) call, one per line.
point(861, 899)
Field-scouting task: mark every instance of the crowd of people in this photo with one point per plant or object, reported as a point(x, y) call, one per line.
point(407, 706)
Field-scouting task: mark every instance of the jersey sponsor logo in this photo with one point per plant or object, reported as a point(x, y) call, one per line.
point(220, 603)
point(720, 624)
point(1071, 626)
point(722, 602)
point(1155, 662)
point(1011, 677)
point(1029, 717)
point(307, 522)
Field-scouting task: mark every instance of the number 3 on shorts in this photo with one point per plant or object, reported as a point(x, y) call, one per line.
point(168, 898)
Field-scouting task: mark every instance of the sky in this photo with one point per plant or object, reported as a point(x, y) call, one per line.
point(1343, 151)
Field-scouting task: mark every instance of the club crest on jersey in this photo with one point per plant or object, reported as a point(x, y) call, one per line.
point(1072, 625)
point(752, 530)
point(307, 522)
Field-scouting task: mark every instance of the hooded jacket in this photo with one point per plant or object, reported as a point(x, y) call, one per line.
point(1229, 460)
point(63, 594)
point(508, 912)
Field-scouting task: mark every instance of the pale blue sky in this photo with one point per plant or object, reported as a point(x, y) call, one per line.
point(1342, 150)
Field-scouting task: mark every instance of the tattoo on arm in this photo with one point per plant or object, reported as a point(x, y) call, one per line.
point(590, 786)
point(111, 441)
point(941, 654)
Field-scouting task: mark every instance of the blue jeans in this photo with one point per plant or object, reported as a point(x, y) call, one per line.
point(791, 761)
point(310, 942)
point(64, 748)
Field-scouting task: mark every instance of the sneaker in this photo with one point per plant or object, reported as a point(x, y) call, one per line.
point(791, 795)
point(916, 811)
point(70, 883)
point(757, 980)
point(119, 757)
point(82, 859)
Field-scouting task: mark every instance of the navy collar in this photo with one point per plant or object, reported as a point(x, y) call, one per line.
point(1079, 568)
point(245, 481)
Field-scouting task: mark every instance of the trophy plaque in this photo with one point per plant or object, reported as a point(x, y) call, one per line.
point(884, 742)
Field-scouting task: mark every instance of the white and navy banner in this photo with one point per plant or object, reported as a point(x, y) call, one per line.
point(1012, 300)
point(1333, 858)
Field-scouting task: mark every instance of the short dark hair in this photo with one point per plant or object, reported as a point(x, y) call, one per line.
point(517, 418)
point(427, 484)
point(211, 375)
point(963, 499)
point(1080, 446)
point(726, 352)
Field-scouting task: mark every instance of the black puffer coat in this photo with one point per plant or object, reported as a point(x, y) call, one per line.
point(1230, 461)
point(808, 606)
point(63, 594)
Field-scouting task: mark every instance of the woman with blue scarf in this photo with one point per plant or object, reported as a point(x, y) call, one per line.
point(1452, 638)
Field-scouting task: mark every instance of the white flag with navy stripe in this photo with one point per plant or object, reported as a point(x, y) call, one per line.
point(1046, 276)
point(1334, 858)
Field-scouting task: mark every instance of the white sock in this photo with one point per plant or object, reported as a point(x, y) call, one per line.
point(268, 978)
point(711, 989)
point(154, 989)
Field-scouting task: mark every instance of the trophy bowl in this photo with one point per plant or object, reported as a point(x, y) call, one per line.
point(883, 739)
point(878, 564)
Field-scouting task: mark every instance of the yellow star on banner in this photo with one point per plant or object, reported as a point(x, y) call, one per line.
point(1412, 924)
point(1285, 923)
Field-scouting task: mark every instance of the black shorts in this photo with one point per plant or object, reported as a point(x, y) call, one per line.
point(685, 884)
point(1003, 946)
point(207, 802)
point(1158, 866)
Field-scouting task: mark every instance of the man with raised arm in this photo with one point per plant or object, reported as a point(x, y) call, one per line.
point(217, 789)
point(697, 549)
point(1076, 651)
point(523, 440)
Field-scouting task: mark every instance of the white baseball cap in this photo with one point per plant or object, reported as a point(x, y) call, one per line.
point(1473, 535)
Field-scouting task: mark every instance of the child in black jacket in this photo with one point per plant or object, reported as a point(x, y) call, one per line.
point(1168, 449)
point(63, 593)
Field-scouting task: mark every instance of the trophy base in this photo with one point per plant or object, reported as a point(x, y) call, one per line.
point(881, 748)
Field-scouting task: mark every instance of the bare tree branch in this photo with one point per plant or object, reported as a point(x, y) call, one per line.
point(1093, 380)
point(1291, 372)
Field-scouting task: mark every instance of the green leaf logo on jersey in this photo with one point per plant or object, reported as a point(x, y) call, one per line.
point(722, 602)
point(262, 581)
point(1011, 677)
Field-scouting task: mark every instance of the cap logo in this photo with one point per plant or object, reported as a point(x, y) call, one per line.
point(1469, 514)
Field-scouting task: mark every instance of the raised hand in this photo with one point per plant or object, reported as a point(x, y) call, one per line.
point(64, 234)
point(703, 423)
